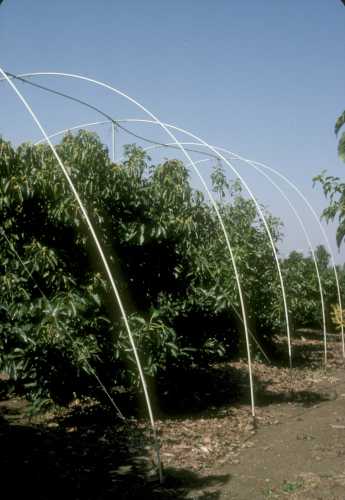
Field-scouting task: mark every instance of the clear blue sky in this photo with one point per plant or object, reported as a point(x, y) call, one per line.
point(263, 78)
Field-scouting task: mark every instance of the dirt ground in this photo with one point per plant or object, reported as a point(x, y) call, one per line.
point(296, 450)
point(302, 456)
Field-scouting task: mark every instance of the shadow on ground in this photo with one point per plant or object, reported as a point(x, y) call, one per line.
point(198, 390)
point(308, 349)
point(89, 462)
point(225, 385)
point(91, 456)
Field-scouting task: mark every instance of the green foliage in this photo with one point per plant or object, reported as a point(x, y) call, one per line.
point(333, 188)
point(165, 249)
point(341, 144)
point(291, 487)
point(303, 289)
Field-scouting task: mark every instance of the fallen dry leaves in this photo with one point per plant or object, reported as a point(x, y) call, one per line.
point(204, 439)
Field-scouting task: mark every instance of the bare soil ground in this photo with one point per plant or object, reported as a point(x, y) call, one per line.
point(297, 449)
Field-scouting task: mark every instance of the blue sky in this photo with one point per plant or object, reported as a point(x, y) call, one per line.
point(265, 79)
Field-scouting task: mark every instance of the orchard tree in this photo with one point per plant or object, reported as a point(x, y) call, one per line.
point(303, 289)
point(165, 248)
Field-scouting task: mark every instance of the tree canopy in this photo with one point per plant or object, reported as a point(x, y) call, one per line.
point(58, 323)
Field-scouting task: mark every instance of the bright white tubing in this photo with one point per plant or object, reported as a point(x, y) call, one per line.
point(96, 82)
point(90, 124)
point(101, 253)
point(113, 141)
point(254, 165)
point(297, 190)
point(94, 373)
point(107, 122)
point(305, 234)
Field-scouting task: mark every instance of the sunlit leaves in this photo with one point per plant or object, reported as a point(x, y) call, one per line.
point(165, 248)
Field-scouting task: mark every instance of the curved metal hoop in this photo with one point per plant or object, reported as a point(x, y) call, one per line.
point(214, 204)
point(105, 263)
point(256, 166)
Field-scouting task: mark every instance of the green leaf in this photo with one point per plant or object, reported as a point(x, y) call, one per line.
point(339, 123)
point(341, 147)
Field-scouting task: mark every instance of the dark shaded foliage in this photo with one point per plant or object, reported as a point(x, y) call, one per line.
point(59, 321)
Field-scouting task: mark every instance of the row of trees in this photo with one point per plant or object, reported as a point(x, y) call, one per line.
point(58, 321)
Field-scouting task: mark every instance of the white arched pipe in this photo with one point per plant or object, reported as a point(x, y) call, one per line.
point(254, 165)
point(324, 329)
point(308, 241)
point(302, 227)
point(104, 260)
point(29, 273)
point(84, 125)
point(113, 141)
point(261, 215)
point(234, 309)
point(304, 230)
point(214, 204)
point(298, 191)
point(216, 149)
point(90, 124)
point(76, 127)
point(257, 166)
